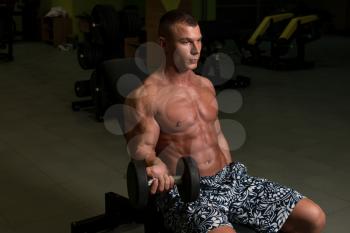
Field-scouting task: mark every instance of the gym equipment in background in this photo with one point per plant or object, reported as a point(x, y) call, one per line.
point(269, 22)
point(296, 32)
point(102, 87)
point(118, 209)
point(103, 40)
point(104, 33)
point(219, 43)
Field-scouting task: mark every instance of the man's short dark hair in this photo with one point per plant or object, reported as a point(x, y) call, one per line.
point(172, 17)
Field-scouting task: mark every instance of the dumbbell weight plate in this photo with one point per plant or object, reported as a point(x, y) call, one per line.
point(137, 183)
point(89, 55)
point(189, 187)
point(85, 56)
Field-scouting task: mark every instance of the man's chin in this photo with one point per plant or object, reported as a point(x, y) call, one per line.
point(192, 66)
point(187, 68)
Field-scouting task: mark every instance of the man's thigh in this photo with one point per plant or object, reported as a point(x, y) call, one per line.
point(263, 205)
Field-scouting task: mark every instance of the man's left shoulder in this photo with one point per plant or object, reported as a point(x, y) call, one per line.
point(205, 82)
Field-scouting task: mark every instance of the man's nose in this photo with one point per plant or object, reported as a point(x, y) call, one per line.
point(195, 49)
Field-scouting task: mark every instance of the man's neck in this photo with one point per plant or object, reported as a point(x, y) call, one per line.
point(176, 77)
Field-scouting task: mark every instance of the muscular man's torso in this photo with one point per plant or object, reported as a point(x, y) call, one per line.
point(186, 115)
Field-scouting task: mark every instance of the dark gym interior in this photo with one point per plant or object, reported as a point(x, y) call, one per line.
point(284, 109)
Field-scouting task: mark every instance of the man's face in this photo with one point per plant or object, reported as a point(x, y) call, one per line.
point(185, 46)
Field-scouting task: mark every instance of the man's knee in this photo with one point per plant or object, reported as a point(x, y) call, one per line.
point(317, 218)
point(307, 216)
point(223, 229)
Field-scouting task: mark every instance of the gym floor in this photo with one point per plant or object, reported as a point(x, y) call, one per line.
point(56, 164)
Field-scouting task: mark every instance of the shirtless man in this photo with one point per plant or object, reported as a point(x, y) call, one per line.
point(176, 114)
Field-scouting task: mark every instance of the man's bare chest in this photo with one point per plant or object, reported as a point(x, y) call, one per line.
point(178, 109)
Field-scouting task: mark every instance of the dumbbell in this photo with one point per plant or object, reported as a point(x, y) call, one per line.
point(186, 180)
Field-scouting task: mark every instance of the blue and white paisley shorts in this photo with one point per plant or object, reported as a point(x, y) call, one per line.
point(230, 196)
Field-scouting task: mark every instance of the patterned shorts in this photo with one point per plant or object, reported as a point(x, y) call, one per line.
point(231, 196)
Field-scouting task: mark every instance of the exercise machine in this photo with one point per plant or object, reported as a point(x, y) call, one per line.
point(103, 41)
point(283, 32)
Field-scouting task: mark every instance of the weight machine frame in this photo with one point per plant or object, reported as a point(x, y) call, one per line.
point(119, 211)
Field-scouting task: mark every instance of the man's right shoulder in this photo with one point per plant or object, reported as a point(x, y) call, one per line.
point(145, 92)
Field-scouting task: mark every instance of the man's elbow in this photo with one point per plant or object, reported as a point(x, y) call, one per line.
point(142, 153)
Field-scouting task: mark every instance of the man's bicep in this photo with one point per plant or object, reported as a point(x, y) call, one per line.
point(142, 140)
point(142, 131)
point(131, 116)
point(134, 110)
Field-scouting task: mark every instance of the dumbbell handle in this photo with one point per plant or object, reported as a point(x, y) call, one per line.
point(177, 180)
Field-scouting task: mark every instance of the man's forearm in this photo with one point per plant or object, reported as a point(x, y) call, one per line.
point(144, 153)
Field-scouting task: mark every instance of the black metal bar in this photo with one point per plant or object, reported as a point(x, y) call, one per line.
point(91, 225)
point(118, 211)
point(77, 105)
